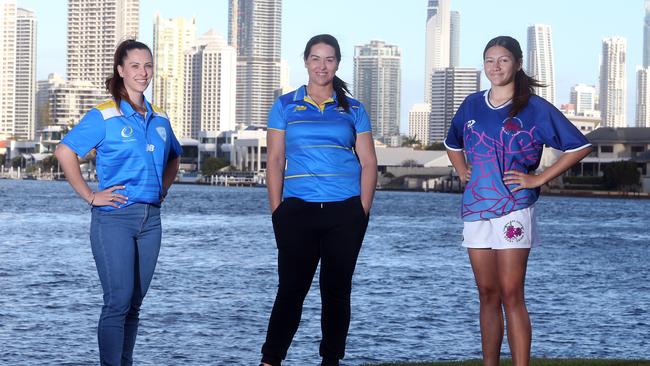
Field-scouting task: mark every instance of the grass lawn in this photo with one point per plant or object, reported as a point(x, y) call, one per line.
point(534, 362)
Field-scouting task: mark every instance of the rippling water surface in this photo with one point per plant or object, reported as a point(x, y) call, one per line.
point(588, 285)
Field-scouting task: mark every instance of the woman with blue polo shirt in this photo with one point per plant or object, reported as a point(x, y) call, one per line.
point(137, 157)
point(495, 143)
point(321, 177)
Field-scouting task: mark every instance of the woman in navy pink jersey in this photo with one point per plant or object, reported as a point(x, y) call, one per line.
point(495, 143)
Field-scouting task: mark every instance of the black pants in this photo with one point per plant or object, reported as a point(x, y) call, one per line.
point(306, 232)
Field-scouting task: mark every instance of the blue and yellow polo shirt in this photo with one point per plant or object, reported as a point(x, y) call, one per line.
point(321, 164)
point(132, 150)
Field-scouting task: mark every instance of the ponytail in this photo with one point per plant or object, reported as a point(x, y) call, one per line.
point(524, 88)
point(341, 89)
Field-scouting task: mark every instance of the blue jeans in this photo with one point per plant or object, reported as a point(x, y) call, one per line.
point(125, 244)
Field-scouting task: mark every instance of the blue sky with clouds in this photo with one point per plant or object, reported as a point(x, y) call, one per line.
point(578, 28)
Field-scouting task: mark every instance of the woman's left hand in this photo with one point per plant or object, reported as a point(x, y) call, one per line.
point(523, 180)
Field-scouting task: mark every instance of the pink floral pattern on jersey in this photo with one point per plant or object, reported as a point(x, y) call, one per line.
point(514, 149)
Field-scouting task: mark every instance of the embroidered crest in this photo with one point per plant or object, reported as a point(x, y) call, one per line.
point(127, 132)
point(513, 231)
point(162, 133)
point(512, 125)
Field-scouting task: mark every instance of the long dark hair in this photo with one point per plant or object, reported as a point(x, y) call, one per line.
point(340, 86)
point(115, 83)
point(524, 84)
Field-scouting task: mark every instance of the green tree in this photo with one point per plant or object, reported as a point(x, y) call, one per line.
point(409, 163)
point(622, 175)
point(437, 146)
point(17, 161)
point(49, 163)
point(212, 165)
point(411, 141)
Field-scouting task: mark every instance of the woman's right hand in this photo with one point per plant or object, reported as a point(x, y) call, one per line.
point(468, 174)
point(108, 197)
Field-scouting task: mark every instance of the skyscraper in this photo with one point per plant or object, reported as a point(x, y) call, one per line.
point(24, 125)
point(437, 46)
point(540, 60)
point(377, 84)
point(255, 30)
point(613, 85)
point(449, 87)
point(171, 38)
point(419, 122)
point(95, 27)
point(646, 35)
point(454, 39)
point(210, 84)
point(642, 97)
point(7, 66)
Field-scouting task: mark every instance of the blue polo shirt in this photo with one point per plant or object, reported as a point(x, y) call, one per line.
point(495, 143)
point(321, 164)
point(132, 150)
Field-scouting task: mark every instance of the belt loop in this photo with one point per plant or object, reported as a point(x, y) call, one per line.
point(321, 205)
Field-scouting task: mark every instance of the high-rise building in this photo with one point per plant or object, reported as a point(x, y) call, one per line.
point(540, 60)
point(171, 38)
point(210, 87)
point(255, 30)
point(613, 85)
point(449, 87)
point(95, 28)
point(24, 125)
point(454, 39)
point(585, 99)
point(377, 84)
point(642, 97)
point(7, 67)
point(419, 122)
point(64, 103)
point(646, 35)
point(437, 46)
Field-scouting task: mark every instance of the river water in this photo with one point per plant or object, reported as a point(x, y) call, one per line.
point(414, 298)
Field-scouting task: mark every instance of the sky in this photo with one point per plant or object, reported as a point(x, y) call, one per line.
point(578, 28)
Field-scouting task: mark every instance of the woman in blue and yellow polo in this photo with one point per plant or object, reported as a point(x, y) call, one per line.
point(137, 158)
point(321, 176)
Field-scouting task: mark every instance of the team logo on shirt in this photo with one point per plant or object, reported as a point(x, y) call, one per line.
point(512, 125)
point(300, 108)
point(162, 132)
point(513, 231)
point(470, 124)
point(127, 132)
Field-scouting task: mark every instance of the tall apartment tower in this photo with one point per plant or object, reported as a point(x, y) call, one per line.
point(437, 46)
point(25, 119)
point(95, 28)
point(419, 122)
point(449, 87)
point(642, 97)
point(585, 99)
point(454, 39)
point(613, 85)
point(255, 30)
point(171, 38)
point(7, 67)
point(377, 84)
point(210, 87)
point(646, 35)
point(540, 60)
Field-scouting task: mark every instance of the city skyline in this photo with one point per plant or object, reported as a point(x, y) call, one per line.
point(577, 48)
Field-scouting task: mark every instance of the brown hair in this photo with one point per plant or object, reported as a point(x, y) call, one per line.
point(340, 86)
point(524, 84)
point(115, 83)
